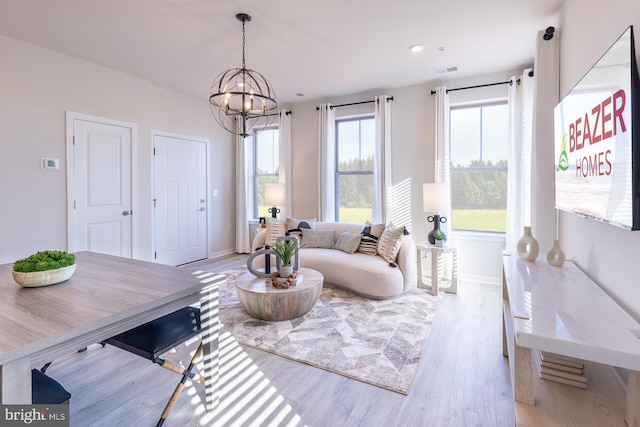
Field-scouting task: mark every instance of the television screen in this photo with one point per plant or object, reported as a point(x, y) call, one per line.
point(594, 144)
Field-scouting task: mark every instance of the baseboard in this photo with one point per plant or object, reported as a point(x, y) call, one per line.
point(486, 280)
point(219, 254)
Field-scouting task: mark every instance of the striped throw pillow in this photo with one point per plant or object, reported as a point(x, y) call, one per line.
point(390, 242)
point(370, 235)
point(276, 227)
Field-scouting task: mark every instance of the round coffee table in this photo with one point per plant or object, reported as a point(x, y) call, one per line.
point(262, 301)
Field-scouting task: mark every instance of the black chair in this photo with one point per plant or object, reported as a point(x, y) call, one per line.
point(155, 338)
point(47, 391)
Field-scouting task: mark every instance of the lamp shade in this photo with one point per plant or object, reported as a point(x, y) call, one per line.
point(435, 197)
point(274, 194)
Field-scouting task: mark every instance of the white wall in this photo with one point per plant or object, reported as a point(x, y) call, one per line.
point(413, 134)
point(37, 87)
point(606, 253)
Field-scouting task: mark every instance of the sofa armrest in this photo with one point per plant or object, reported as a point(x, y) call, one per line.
point(407, 262)
point(259, 240)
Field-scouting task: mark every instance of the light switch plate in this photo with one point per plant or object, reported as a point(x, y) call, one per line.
point(47, 163)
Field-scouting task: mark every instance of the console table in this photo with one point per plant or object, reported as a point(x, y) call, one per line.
point(560, 310)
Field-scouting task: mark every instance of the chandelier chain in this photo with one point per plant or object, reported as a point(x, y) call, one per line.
point(243, 38)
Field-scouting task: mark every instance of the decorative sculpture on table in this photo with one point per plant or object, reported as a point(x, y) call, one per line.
point(527, 247)
point(287, 261)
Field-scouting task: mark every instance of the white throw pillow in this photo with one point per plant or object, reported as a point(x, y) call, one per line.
point(295, 226)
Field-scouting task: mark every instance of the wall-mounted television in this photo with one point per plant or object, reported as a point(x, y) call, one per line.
point(597, 146)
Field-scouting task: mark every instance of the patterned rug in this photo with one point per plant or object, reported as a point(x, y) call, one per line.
point(377, 342)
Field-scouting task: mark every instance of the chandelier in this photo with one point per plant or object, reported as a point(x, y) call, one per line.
point(240, 96)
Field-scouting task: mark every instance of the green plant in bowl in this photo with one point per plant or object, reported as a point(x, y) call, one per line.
point(43, 261)
point(44, 268)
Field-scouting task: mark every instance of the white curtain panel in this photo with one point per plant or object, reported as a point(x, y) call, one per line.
point(382, 162)
point(442, 173)
point(326, 163)
point(442, 156)
point(284, 132)
point(545, 97)
point(244, 193)
point(520, 99)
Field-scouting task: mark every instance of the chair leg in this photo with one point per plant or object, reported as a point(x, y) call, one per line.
point(186, 373)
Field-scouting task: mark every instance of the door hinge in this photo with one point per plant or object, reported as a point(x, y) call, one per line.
point(155, 255)
point(154, 151)
point(74, 204)
point(154, 202)
point(73, 138)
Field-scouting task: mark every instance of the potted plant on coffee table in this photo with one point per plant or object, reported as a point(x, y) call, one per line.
point(286, 250)
point(44, 268)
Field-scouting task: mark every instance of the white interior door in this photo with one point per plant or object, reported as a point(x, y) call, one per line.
point(101, 188)
point(180, 190)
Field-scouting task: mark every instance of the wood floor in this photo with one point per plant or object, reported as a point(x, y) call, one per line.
point(463, 380)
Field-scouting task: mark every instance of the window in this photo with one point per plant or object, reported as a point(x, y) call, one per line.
point(266, 165)
point(478, 149)
point(355, 148)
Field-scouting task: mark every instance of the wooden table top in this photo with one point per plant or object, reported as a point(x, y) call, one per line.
point(105, 290)
point(250, 283)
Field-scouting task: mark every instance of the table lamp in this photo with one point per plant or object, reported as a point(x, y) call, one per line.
point(436, 200)
point(274, 195)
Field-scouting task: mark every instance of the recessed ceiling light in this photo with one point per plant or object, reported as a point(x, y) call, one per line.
point(416, 48)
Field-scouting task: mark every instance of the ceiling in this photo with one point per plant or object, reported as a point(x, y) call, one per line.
point(322, 48)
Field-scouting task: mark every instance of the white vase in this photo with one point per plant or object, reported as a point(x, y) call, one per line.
point(527, 246)
point(285, 270)
point(555, 256)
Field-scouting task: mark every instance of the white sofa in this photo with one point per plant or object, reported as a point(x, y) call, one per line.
point(367, 275)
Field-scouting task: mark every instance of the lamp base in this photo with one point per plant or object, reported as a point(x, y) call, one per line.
point(436, 219)
point(274, 211)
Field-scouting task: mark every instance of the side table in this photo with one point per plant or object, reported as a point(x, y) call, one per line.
point(436, 253)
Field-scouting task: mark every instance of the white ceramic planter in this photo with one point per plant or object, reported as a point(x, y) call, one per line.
point(285, 270)
point(43, 278)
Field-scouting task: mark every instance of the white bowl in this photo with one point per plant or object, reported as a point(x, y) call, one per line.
point(43, 278)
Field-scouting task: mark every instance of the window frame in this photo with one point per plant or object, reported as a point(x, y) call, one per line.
point(256, 174)
point(338, 173)
point(476, 169)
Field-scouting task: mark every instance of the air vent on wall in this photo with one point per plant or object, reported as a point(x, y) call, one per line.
point(445, 70)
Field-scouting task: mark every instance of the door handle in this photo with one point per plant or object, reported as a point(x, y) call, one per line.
point(125, 213)
point(203, 209)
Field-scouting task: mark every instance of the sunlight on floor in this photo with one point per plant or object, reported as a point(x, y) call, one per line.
point(246, 395)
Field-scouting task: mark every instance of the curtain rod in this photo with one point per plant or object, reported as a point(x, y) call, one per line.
point(509, 82)
point(288, 113)
point(355, 103)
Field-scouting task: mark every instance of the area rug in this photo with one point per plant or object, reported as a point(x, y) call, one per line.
point(373, 341)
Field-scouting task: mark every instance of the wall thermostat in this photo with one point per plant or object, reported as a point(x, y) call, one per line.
point(46, 163)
